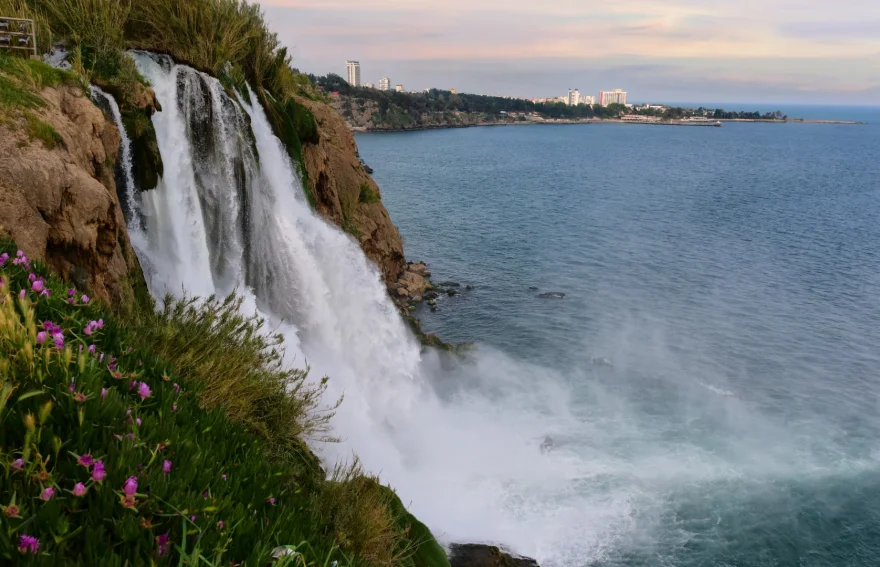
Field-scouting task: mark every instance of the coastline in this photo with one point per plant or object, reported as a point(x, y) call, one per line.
point(381, 130)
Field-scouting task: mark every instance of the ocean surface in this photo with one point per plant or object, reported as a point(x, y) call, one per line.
point(718, 345)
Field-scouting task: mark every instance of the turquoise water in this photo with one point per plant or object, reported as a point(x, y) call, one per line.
point(730, 275)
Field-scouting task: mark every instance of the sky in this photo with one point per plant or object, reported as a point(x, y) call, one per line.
point(712, 51)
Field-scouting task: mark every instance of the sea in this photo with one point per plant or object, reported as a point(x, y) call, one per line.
point(716, 353)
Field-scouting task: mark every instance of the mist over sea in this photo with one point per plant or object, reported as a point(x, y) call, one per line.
point(729, 275)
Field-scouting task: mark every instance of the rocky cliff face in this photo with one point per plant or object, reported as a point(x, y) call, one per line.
point(57, 195)
point(346, 195)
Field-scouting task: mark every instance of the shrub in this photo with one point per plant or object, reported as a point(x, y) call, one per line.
point(368, 194)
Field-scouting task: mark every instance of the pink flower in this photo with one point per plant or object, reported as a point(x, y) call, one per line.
point(59, 341)
point(28, 544)
point(38, 286)
point(79, 489)
point(71, 292)
point(80, 397)
point(166, 467)
point(128, 501)
point(17, 464)
point(32, 277)
point(47, 494)
point(132, 385)
point(138, 420)
point(3, 258)
point(21, 294)
point(92, 349)
point(84, 298)
point(98, 473)
point(223, 476)
point(220, 524)
point(193, 518)
point(11, 511)
point(174, 407)
point(176, 387)
point(101, 326)
point(41, 337)
point(144, 390)
point(271, 500)
point(130, 487)
point(162, 543)
point(72, 387)
point(86, 460)
point(46, 293)
point(103, 393)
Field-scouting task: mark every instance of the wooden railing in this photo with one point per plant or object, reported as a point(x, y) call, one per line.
point(18, 34)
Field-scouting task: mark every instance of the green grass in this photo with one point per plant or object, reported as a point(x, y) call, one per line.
point(368, 194)
point(41, 130)
point(85, 397)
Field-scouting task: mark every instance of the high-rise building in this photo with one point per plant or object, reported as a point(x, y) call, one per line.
point(588, 99)
point(574, 97)
point(616, 96)
point(354, 73)
point(384, 84)
point(369, 86)
point(399, 88)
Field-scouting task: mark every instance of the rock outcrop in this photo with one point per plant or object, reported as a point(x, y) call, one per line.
point(478, 555)
point(346, 195)
point(58, 199)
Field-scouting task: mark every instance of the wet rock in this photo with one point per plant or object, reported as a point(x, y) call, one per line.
point(478, 555)
point(469, 287)
point(552, 295)
point(432, 302)
point(431, 295)
point(449, 284)
point(434, 308)
point(451, 292)
point(533, 288)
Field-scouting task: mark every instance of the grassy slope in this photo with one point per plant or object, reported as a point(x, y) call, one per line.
point(214, 501)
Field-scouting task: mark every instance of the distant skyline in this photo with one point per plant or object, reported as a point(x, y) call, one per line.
point(749, 51)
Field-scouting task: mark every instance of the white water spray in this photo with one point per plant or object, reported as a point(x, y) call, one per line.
point(230, 213)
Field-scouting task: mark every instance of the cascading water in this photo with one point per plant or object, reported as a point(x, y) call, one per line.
point(124, 178)
point(230, 213)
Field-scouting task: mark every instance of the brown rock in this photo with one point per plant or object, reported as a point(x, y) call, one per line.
point(59, 204)
point(477, 555)
point(337, 179)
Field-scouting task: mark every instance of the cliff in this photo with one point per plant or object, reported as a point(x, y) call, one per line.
point(57, 193)
point(346, 195)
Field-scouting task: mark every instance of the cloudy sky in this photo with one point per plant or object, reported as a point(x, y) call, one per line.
point(748, 51)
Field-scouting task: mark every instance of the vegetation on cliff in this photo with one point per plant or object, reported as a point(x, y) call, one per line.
point(170, 436)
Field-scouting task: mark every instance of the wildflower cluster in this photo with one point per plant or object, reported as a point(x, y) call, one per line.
point(99, 432)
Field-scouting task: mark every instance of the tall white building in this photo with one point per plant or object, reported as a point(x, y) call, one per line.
point(616, 96)
point(588, 99)
point(399, 88)
point(354, 73)
point(384, 84)
point(574, 97)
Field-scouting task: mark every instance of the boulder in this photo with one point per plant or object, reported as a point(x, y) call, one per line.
point(58, 201)
point(478, 555)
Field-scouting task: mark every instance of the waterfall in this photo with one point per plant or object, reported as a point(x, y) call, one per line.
point(230, 213)
point(124, 178)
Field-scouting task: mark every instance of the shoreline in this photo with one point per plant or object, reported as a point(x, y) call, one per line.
point(710, 122)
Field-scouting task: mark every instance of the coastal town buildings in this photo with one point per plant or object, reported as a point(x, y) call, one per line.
point(617, 96)
point(384, 84)
point(369, 86)
point(399, 88)
point(353, 68)
point(574, 97)
point(588, 99)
